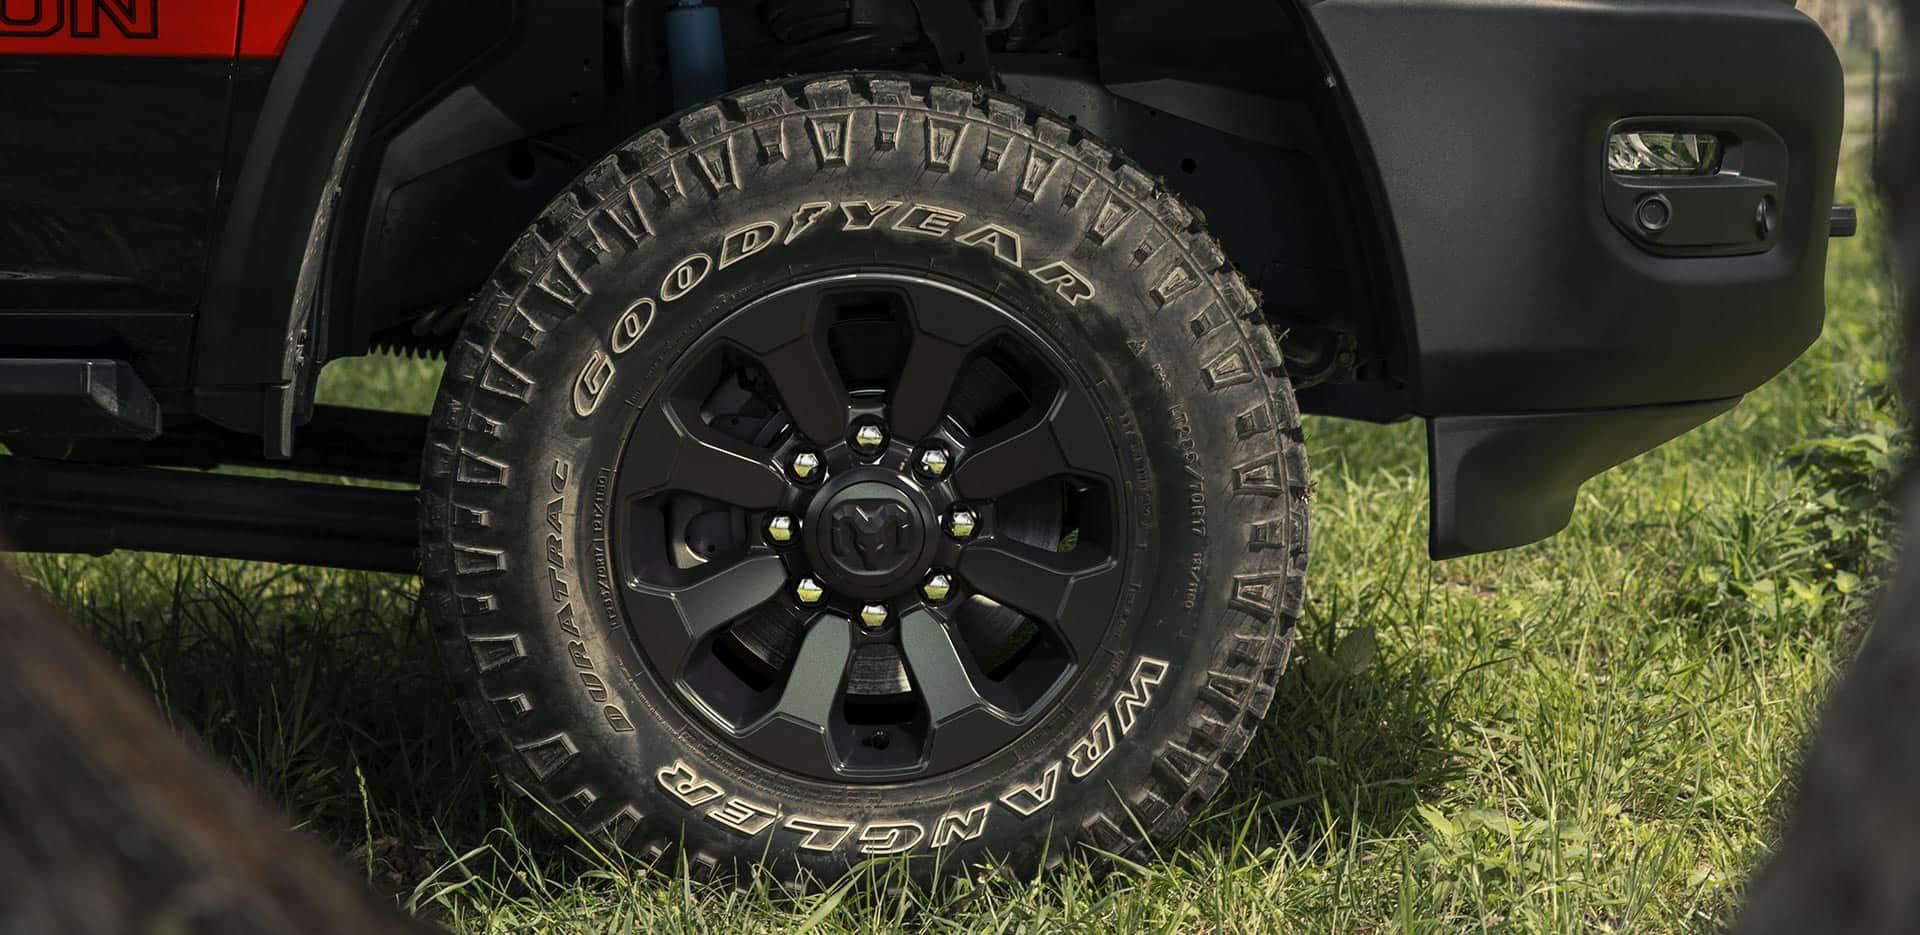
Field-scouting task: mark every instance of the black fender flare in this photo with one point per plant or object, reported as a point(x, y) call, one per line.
point(264, 280)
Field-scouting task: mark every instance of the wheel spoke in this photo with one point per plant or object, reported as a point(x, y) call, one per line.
point(704, 606)
point(787, 337)
point(926, 383)
point(1067, 437)
point(676, 453)
point(949, 326)
point(961, 722)
point(934, 662)
point(1062, 589)
point(758, 623)
point(796, 730)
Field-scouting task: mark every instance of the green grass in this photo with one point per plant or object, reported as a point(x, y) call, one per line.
point(1596, 732)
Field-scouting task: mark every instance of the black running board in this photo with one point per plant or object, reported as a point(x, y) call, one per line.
point(337, 442)
point(55, 506)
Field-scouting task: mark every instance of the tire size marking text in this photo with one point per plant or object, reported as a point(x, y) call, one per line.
point(560, 592)
point(1196, 478)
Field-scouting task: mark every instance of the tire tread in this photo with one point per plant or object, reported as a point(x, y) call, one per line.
point(654, 166)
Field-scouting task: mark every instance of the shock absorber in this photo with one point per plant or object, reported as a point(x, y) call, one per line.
point(696, 56)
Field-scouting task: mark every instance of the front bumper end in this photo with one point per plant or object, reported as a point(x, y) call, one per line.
point(1547, 338)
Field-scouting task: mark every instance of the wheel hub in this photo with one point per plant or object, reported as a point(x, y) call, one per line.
point(867, 535)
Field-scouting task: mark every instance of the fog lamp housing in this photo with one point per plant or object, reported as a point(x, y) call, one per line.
point(1665, 152)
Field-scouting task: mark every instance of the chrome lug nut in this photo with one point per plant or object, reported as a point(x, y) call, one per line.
point(809, 591)
point(937, 587)
point(781, 528)
point(869, 438)
point(961, 522)
point(806, 465)
point(934, 462)
point(873, 615)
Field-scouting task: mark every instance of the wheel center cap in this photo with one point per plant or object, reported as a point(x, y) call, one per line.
point(869, 537)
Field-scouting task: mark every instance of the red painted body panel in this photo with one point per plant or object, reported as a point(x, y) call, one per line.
point(265, 26)
point(147, 28)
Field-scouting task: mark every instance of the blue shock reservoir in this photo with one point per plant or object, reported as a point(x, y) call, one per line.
point(696, 57)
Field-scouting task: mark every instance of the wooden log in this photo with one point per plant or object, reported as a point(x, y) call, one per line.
point(110, 822)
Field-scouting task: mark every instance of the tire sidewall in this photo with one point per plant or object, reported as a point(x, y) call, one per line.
point(573, 346)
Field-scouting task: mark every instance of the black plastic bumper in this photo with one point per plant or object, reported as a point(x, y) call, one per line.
point(1487, 122)
point(1499, 480)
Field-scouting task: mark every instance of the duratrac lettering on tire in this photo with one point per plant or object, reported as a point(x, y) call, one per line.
point(930, 189)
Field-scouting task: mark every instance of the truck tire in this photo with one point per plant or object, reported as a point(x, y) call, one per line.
point(865, 465)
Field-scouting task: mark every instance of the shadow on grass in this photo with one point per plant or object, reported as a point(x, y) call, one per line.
point(1355, 736)
point(1361, 725)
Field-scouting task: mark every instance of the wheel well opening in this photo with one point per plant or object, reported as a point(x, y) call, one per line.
point(487, 112)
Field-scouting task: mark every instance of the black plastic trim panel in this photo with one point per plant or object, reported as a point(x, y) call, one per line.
point(1500, 481)
point(1488, 123)
point(1526, 294)
point(249, 342)
point(75, 399)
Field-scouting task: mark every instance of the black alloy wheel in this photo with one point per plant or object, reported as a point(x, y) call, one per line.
point(883, 513)
point(865, 466)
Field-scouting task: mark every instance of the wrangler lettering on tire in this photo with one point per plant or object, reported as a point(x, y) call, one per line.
point(863, 466)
